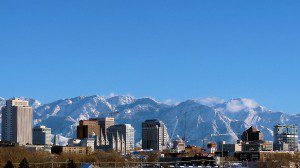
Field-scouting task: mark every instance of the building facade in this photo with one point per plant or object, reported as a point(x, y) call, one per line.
point(104, 124)
point(69, 149)
point(286, 137)
point(88, 128)
point(89, 143)
point(35, 148)
point(178, 145)
point(229, 149)
point(258, 146)
point(121, 138)
point(41, 135)
point(252, 134)
point(17, 122)
point(154, 135)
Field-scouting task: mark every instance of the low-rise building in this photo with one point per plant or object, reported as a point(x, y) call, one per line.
point(4, 144)
point(34, 148)
point(230, 149)
point(191, 151)
point(178, 145)
point(69, 149)
point(89, 143)
point(258, 146)
point(211, 148)
point(257, 155)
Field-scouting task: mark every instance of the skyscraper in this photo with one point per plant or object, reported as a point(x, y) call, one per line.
point(252, 140)
point(286, 137)
point(252, 134)
point(154, 135)
point(104, 124)
point(17, 122)
point(88, 128)
point(41, 135)
point(121, 138)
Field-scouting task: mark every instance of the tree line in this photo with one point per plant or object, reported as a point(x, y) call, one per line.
point(20, 157)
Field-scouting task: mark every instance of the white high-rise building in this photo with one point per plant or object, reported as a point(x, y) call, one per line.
point(17, 122)
point(121, 138)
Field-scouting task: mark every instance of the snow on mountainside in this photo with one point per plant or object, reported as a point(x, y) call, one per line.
point(120, 100)
point(203, 116)
point(69, 112)
point(2, 102)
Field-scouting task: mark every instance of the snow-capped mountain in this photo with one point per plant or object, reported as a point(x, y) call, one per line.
point(120, 100)
point(203, 119)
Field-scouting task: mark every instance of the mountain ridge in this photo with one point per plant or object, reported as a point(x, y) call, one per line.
point(204, 116)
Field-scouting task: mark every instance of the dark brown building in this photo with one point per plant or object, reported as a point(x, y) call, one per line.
point(86, 128)
point(252, 134)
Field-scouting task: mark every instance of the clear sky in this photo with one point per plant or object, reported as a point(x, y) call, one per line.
point(53, 49)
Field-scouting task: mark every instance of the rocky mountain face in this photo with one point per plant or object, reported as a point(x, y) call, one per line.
point(203, 119)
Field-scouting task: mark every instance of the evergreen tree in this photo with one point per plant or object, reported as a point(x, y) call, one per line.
point(24, 163)
point(9, 164)
point(71, 164)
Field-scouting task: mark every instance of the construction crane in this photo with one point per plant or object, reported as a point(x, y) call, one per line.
point(185, 122)
point(175, 127)
point(173, 132)
point(184, 133)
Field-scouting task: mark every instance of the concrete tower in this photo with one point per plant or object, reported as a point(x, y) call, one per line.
point(17, 122)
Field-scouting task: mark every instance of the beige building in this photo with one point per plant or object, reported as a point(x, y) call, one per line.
point(70, 149)
point(178, 145)
point(17, 122)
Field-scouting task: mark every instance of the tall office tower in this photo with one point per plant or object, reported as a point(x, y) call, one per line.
point(286, 137)
point(41, 135)
point(252, 134)
point(121, 138)
point(104, 124)
point(17, 122)
point(154, 135)
point(88, 128)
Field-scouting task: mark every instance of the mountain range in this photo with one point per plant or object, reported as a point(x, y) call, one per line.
point(204, 119)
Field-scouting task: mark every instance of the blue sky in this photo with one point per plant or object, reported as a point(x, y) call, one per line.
point(166, 49)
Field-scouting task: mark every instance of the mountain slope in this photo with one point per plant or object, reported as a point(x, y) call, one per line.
point(202, 117)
